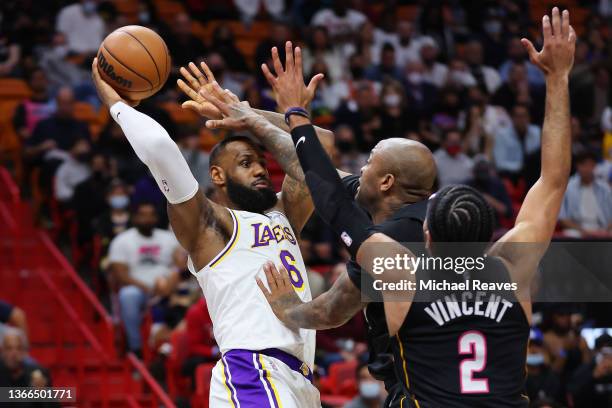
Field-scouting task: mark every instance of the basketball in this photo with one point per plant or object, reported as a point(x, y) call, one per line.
point(135, 61)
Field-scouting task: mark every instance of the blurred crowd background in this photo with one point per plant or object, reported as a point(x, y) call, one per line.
point(449, 73)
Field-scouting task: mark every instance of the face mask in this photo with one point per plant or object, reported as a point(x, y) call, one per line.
point(453, 150)
point(344, 146)
point(493, 27)
point(89, 7)
point(369, 389)
point(462, 78)
point(119, 202)
point(61, 51)
point(535, 359)
point(392, 100)
point(415, 78)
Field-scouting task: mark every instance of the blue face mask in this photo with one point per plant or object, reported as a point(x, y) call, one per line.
point(119, 202)
point(535, 359)
point(369, 389)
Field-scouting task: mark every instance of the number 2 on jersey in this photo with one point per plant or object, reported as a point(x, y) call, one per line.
point(288, 261)
point(474, 343)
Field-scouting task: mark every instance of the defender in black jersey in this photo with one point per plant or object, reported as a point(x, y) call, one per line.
point(455, 354)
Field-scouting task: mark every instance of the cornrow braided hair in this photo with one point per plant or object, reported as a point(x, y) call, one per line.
point(459, 213)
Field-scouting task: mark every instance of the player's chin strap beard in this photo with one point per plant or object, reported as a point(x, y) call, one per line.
point(250, 199)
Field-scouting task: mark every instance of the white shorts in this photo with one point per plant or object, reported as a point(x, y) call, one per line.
point(250, 379)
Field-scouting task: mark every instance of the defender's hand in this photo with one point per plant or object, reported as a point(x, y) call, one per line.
point(107, 94)
point(557, 54)
point(281, 296)
point(200, 82)
point(288, 85)
point(235, 115)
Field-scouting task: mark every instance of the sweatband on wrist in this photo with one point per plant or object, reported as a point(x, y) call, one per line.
point(332, 202)
point(296, 111)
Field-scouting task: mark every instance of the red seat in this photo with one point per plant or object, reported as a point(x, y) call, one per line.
point(203, 376)
point(178, 385)
point(340, 376)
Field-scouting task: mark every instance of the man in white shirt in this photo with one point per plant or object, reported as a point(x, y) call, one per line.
point(72, 171)
point(340, 20)
point(141, 264)
point(454, 166)
point(484, 76)
point(83, 27)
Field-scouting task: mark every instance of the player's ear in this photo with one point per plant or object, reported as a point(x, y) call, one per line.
point(387, 182)
point(217, 175)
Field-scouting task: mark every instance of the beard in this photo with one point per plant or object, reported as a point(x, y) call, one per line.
point(250, 199)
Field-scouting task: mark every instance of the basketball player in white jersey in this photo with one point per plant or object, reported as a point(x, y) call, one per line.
point(263, 363)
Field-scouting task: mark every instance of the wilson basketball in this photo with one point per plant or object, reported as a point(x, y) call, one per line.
point(135, 61)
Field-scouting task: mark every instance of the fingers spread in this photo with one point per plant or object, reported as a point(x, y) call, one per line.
point(198, 74)
point(207, 71)
point(298, 63)
point(189, 78)
point(189, 91)
point(289, 56)
point(314, 82)
point(531, 51)
point(546, 28)
point(556, 22)
point(565, 22)
point(572, 35)
point(215, 101)
point(278, 67)
point(269, 76)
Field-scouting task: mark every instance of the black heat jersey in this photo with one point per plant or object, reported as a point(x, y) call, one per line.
point(405, 225)
point(464, 348)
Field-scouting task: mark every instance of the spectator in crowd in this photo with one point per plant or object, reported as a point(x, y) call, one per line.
point(435, 72)
point(484, 76)
point(396, 117)
point(340, 21)
point(189, 144)
point(16, 370)
point(492, 188)
point(37, 107)
point(182, 44)
point(518, 56)
point(518, 90)
point(54, 136)
point(225, 78)
point(516, 145)
point(587, 206)
point(13, 316)
point(542, 383)
point(201, 345)
point(370, 390)
point(357, 112)
point(320, 49)
point(82, 25)
point(591, 384)
point(421, 94)
point(116, 219)
point(224, 43)
point(408, 45)
point(249, 8)
point(454, 166)
point(387, 68)
point(140, 258)
point(10, 54)
point(446, 114)
point(492, 37)
point(279, 34)
point(74, 170)
point(89, 198)
point(112, 142)
point(351, 159)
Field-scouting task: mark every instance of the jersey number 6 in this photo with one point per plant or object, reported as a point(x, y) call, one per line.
point(288, 261)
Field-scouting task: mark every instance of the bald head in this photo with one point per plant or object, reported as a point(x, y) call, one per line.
point(410, 162)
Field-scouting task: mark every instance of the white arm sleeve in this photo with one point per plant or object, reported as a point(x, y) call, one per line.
point(157, 150)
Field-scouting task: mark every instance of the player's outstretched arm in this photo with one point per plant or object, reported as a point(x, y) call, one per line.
point(331, 309)
point(189, 210)
point(538, 215)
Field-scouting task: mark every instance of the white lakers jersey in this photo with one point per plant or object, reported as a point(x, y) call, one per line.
point(241, 315)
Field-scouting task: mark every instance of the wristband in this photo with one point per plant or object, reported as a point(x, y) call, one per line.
point(296, 111)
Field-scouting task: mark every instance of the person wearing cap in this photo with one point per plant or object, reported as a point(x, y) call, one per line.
point(591, 384)
point(542, 382)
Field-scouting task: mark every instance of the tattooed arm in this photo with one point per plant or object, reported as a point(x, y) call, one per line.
point(331, 309)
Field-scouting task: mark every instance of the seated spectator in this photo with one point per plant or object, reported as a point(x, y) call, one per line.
point(73, 171)
point(201, 345)
point(396, 116)
point(279, 34)
point(10, 54)
point(516, 145)
point(435, 72)
point(140, 258)
point(350, 158)
point(492, 188)
point(13, 316)
point(36, 108)
point(454, 166)
point(114, 144)
point(82, 25)
point(227, 80)
point(387, 68)
point(408, 45)
point(518, 55)
point(517, 90)
point(591, 384)
point(223, 42)
point(446, 113)
point(54, 136)
point(320, 48)
point(542, 383)
point(371, 391)
point(587, 206)
point(485, 77)
point(421, 95)
point(16, 370)
point(358, 111)
point(341, 21)
point(249, 9)
point(116, 219)
point(182, 44)
point(196, 158)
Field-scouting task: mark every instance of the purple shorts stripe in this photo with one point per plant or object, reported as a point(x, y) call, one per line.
point(228, 383)
point(266, 375)
point(250, 391)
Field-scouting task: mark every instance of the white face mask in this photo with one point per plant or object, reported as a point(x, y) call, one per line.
point(535, 359)
point(61, 51)
point(415, 78)
point(369, 389)
point(392, 100)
